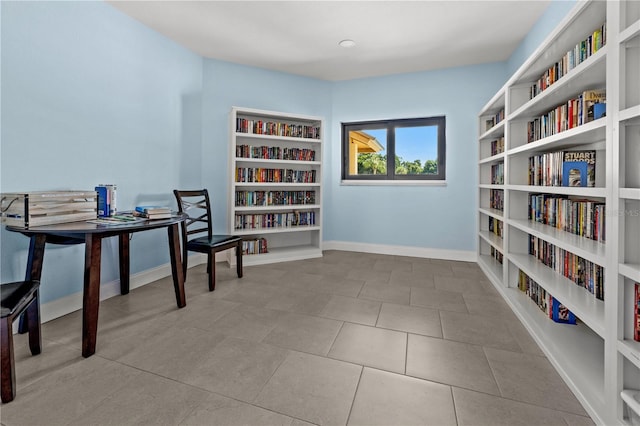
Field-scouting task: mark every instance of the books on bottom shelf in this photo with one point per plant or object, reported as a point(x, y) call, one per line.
point(254, 246)
point(545, 301)
point(152, 212)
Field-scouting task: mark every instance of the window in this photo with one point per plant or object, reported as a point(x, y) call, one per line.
point(405, 149)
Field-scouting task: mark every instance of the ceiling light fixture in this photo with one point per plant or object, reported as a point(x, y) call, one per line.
point(347, 43)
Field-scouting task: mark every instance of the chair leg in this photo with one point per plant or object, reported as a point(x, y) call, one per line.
point(8, 380)
point(185, 257)
point(211, 269)
point(239, 259)
point(33, 321)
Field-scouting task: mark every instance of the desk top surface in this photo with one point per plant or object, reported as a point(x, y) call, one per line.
point(88, 227)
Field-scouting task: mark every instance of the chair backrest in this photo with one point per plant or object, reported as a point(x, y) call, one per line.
point(196, 204)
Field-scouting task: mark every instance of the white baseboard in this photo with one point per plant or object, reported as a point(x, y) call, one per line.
point(425, 252)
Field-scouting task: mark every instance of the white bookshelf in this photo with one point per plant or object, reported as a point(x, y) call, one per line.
point(625, 120)
point(598, 358)
point(287, 240)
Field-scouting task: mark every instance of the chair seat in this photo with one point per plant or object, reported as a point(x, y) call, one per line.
point(15, 295)
point(213, 242)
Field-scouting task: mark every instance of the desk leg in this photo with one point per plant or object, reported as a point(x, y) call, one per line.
point(123, 251)
point(91, 297)
point(176, 265)
point(34, 271)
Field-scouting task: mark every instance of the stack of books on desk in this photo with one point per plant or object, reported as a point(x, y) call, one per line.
point(153, 212)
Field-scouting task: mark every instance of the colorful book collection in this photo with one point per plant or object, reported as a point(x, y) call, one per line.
point(589, 106)
point(254, 246)
point(574, 57)
point(292, 130)
point(496, 199)
point(585, 218)
point(274, 198)
point(497, 174)
point(545, 301)
point(584, 273)
point(496, 254)
point(274, 220)
point(498, 117)
point(563, 168)
point(636, 313)
point(260, 175)
point(275, 153)
point(497, 146)
point(106, 200)
point(495, 226)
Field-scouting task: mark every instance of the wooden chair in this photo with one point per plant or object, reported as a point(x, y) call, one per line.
point(17, 298)
point(196, 204)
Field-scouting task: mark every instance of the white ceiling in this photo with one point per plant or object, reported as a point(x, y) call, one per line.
point(301, 37)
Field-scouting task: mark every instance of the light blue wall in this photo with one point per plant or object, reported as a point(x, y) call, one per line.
point(555, 13)
point(91, 96)
point(226, 85)
point(440, 217)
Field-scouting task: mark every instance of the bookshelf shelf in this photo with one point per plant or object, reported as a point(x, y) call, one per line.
point(575, 351)
point(492, 239)
point(562, 190)
point(630, 270)
point(587, 75)
point(493, 159)
point(604, 331)
point(498, 214)
point(586, 134)
point(255, 134)
point(591, 250)
point(630, 350)
point(630, 193)
point(579, 301)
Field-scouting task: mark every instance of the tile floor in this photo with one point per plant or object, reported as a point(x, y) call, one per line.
point(351, 338)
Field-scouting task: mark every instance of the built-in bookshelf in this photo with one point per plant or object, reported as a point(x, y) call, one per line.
point(568, 224)
point(275, 191)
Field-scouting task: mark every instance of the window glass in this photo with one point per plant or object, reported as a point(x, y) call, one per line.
point(403, 149)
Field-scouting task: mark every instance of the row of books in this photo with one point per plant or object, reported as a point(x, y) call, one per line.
point(563, 168)
point(498, 117)
point(275, 220)
point(275, 153)
point(584, 273)
point(574, 57)
point(497, 174)
point(274, 198)
point(495, 253)
point(585, 218)
point(497, 146)
point(152, 212)
point(636, 313)
point(260, 175)
point(254, 246)
point(545, 301)
point(274, 128)
point(589, 106)
point(495, 226)
point(496, 199)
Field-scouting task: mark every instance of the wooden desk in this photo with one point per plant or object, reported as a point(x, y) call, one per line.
point(92, 235)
